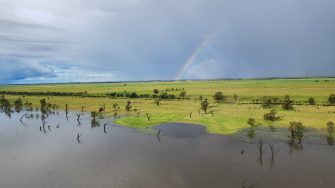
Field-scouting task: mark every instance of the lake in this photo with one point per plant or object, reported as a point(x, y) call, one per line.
point(55, 151)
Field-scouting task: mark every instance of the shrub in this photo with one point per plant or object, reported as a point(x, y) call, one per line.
point(311, 101)
point(156, 91)
point(331, 99)
point(182, 94)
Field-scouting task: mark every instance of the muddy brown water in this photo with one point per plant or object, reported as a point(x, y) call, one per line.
point(180, 156)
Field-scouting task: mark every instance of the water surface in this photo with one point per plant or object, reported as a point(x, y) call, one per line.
point(181, 155)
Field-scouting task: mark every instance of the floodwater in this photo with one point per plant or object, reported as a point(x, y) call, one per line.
point(64, 153)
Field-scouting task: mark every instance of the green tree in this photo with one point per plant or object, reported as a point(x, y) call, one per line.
point(156, 91)
point(204, 105)
point(182, 94)
point(251, 122)
point(331, 99)
point(287, 103)
point(218, 96)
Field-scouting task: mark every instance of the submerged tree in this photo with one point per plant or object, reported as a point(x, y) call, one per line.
point(296, 131)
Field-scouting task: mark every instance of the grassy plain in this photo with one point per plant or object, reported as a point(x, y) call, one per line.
point(229, 116)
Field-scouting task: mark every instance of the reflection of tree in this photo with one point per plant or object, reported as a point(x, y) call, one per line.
point(251, 133)
point(95, 123)
point(330, 139)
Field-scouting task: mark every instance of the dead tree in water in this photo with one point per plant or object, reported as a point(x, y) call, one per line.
point(66, 110)
point(78, 138)
point(105, 128)
point(260, 149)
point(78, 118)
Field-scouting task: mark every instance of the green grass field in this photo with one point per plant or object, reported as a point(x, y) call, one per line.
point(229, 117)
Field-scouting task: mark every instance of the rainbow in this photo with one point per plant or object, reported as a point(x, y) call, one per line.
point(191, 59)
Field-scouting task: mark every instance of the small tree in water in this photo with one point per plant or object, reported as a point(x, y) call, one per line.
point(94, 114)
point(204, 105)
point(252, 122)
point(296, 130)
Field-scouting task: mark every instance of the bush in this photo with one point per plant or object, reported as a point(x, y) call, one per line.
point(311, 101)
point(272, 115)
point(331, 99)
point(156, 91)
point(218, 96)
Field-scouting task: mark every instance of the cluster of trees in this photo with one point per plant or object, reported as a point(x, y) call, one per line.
point(47, 93)
point(175, 89)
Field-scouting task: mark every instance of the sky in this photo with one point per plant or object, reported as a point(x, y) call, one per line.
point(128, 40)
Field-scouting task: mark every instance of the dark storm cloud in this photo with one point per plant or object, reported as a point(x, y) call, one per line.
point(149, 39)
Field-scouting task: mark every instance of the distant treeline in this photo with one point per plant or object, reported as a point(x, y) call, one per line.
point(163, 95)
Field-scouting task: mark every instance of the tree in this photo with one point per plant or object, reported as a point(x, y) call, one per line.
point(296, 130)
point(235, 97)
point(251, 122)
point(272, 116)
point(115, 106)
point(331, 99)
point(204, 105)
point(218, 96)
point(156, 91)
point(133, 95)
point(128, 106)
point(18, 105)
point(182, 94)
point(267, 102)
point(287, 103)
point(311, 101)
